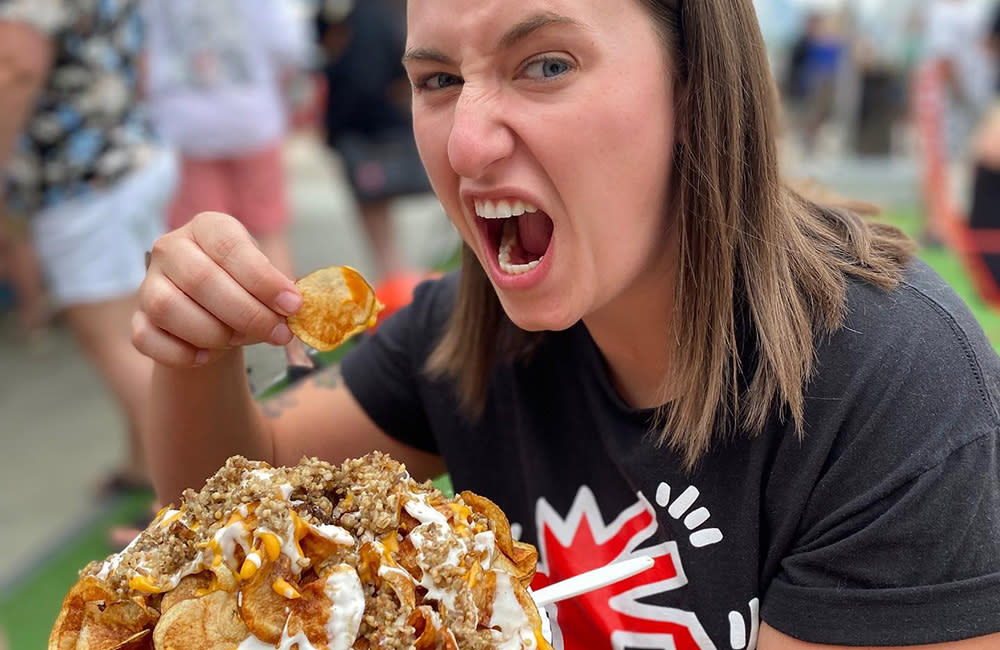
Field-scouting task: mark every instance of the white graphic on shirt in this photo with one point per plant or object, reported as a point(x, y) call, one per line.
point(738, 628)
point(612, 618)
point(693, 519)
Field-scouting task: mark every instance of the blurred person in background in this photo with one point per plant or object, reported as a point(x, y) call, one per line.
point(367, 119)
point(215, 90)
point(954, 49)
point(811, 80)
point(984, 208)
point(20, 273)
point(86, 171)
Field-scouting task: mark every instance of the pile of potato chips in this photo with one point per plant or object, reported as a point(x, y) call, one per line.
point(302, 564)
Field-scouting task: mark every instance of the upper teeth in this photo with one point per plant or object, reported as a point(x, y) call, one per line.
point(503, 209)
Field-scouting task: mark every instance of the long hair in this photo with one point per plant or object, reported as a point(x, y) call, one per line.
point(758, 262)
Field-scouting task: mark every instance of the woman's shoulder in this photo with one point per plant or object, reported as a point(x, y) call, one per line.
point(923, 313)
point(917, 346)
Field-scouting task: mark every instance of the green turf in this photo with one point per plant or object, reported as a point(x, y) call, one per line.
point(29, 607)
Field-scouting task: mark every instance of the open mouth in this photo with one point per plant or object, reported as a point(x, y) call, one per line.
point(518, 233)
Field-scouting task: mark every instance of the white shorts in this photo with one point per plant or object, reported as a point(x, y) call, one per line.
point(92, 249)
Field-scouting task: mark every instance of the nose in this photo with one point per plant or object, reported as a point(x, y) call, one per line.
point(479, 135)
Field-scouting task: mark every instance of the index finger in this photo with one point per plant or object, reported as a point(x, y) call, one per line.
point(229, 244)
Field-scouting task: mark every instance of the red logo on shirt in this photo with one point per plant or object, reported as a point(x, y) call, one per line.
point(612, 617)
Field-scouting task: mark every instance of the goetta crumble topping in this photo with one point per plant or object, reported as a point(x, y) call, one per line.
point(313, 556)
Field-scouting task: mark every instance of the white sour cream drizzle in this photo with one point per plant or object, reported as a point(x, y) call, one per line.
point(347, 606)
point(229, 537)
point(422, 511)
point(335, 534)
point(288, 546)
point(509, 617)
point(485, 542)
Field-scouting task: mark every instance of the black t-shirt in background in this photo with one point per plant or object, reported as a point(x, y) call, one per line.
point(880, 527)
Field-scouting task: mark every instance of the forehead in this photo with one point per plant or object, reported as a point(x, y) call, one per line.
point(483, 23)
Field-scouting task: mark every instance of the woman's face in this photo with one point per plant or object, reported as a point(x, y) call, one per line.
point(547, 130)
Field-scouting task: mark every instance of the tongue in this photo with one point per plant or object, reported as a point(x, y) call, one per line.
point(534, 231)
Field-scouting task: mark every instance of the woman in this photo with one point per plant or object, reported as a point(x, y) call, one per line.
point(652, 346)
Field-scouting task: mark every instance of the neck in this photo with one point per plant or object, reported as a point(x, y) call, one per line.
point(633, 335)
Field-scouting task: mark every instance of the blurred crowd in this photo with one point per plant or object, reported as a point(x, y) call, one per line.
point(911, 80)
point(121, 120)
point(848, 71)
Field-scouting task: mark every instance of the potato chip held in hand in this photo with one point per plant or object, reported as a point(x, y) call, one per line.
point(337, 303)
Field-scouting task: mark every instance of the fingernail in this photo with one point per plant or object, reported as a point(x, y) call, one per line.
point(201, 358)
point(281, 335)
point(289, 302)
point(237, 339)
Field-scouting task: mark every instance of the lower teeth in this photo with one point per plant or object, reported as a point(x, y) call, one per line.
point(506, 246)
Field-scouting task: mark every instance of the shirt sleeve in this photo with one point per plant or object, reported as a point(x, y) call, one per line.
point(918, 564)
point(47, 16)
point(385, 373)
point(897, 539)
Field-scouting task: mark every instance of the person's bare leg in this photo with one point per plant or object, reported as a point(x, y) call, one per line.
point(104, 332)
point(25, 275)
point(376, 218)
point(278, 250)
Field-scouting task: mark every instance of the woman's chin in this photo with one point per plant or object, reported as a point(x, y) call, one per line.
point(532, 319)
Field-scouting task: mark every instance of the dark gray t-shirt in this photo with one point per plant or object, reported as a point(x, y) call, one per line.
point(881, 526)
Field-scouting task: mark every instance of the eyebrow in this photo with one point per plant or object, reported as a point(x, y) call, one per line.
point(511, 37)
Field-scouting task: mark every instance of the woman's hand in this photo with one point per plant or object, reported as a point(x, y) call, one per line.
point(209, 289)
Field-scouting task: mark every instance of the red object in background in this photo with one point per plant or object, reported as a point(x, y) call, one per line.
point(396, 291)
point(978, 249)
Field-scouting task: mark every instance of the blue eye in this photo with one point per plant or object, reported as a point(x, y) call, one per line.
point(547, 68)
point(438, 81)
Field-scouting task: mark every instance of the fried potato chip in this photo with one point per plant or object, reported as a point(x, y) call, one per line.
point(210, 622)
point(263, 609)
point(138, 641)
point(523, 557)
point(189, 587)
point(71, 619)
point(422, 620)
point(337, 304)
point(309, 613)
point(120, 624)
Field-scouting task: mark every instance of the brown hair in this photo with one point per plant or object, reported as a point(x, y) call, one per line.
point(757, 259)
